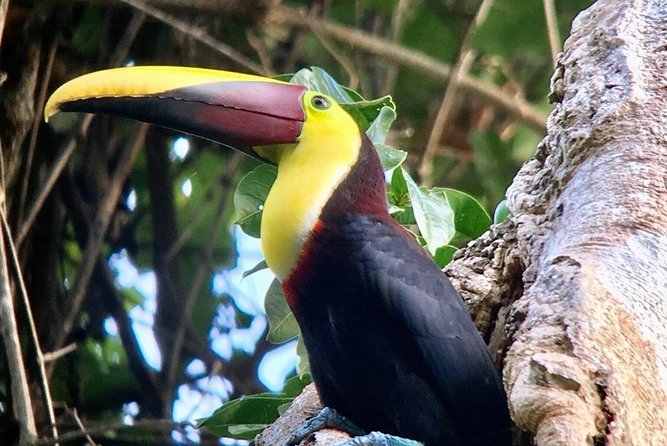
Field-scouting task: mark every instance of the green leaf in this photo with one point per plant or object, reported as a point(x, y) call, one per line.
point(433, 215)
point(131, 298)
point(501, 212)
point(443, 255)
point(282, 324)
point(296, 384)
point(390, 157)
point(315, 78)
point(245, 417)
point(395, 210)
point(366, 112)
point(259, 267)
point(399, 200)
point(250, 196)
point(377, 132)
point(470, 218)
point(398, 189)
point(304, 362)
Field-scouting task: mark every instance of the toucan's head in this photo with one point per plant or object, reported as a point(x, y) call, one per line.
point(253, 114)
point(314, 142)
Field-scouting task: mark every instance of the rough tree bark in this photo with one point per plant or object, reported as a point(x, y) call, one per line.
point(571, 288)
point(589, 356)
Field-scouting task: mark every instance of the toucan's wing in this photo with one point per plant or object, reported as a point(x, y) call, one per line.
point(429, 310)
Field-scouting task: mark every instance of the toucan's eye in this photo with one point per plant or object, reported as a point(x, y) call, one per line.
point(320, 102)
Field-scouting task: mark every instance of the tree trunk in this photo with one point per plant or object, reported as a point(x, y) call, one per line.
point(571, 288)
point(588, 360)
point(588, 356)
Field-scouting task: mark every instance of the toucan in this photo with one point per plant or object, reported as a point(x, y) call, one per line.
point(391, 345)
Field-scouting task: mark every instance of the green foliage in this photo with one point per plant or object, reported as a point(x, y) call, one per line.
point(282, 324)
point(470, 217)
point(493, 156)
point(364, 112)
point(433, 215)
point(390, 157)
point(247, 416)
point(250, 196)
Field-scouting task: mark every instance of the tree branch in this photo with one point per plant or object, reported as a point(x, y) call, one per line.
point(552, 29)
point(465, 59)
point(32, 329)
point(515, 106)
point(198, 34)
point(159, 425)
point(10, 337)
point(98, 229)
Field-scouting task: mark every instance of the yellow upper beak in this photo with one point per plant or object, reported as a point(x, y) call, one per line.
point(234, 109)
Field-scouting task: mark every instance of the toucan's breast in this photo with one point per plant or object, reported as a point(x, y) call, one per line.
point(309, 174)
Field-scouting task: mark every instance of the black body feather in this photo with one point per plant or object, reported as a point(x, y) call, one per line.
point(391, 344)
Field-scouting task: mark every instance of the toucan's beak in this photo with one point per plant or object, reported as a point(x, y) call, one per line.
point(238, 110)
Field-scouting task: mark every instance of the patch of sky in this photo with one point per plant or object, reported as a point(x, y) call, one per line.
point(200, 398)
point(130, 412)
point(131, 201)
point(142, 315)
point(186, 187)
point(248, 296)
point(180, 148)
point(277, 365)
point(110, 326)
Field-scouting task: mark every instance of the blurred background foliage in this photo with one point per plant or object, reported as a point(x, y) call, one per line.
point(123, 231)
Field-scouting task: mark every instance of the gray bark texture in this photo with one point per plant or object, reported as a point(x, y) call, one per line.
point(588, 360)
point(588, 356)
point(571, 289)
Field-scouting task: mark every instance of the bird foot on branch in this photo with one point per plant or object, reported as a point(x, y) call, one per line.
point(329, 418)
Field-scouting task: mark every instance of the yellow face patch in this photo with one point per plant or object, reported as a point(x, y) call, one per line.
point(308, 173)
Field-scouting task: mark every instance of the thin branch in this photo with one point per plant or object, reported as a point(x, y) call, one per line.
point(57, 354)
point(97, 429)
point(78, 422)
point(515, 106)
point(261, 50)
point(43, 381)
point(113, 303)
point(37, 120)
point(213, 191)
point(123, 46)
point(99, 227)
point(10, 337)
point(66, 153)
point(54, 173)
point(4, 6)
point(340, 57)
point(196, 33)
point(552, 28)
point(397, 23)
point(198, 281)
point(466, 57)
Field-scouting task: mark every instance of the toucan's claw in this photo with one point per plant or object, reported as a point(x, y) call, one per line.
point(379, 439)
point(327, 418)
